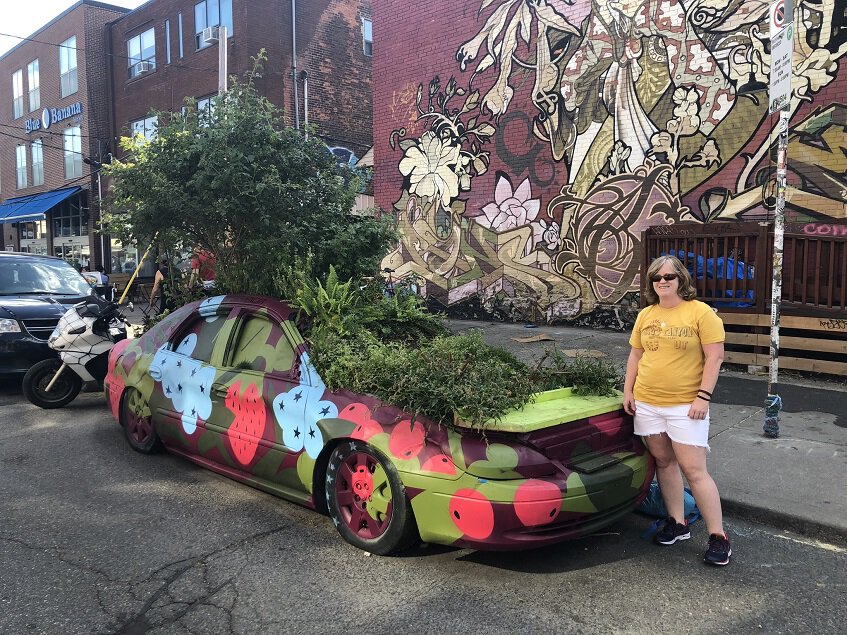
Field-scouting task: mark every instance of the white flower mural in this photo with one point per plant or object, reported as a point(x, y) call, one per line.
point(430, 166)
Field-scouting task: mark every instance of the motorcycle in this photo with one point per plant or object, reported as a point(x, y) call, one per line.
point(83, 338)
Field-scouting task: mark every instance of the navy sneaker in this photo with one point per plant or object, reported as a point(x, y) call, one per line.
point(672, 531)
point(719, 550)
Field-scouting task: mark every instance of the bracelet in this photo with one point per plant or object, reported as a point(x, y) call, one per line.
point(703, 398)
point(706, 392)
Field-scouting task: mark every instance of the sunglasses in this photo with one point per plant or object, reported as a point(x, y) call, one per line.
point(666, 277)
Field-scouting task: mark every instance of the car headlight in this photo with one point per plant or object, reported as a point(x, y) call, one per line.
point(9, 326)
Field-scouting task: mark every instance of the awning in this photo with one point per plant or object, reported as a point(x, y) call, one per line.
point(33, 207)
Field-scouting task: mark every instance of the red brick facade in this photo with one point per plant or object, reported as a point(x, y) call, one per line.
point(569, 128)
point(329, 49)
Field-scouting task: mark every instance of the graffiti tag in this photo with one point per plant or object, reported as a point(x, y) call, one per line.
point(824, 229)
point(834, 324)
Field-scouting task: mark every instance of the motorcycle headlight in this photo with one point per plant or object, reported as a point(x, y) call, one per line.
point(9, 326)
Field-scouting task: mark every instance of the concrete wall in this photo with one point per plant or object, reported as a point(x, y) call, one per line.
point(525, 145)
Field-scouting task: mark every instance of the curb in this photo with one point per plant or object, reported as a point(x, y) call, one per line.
point(784, 521)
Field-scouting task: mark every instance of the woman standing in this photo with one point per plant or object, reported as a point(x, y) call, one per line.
point(677, 350)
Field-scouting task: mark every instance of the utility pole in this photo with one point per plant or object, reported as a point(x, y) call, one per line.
point(222, 43)
point(779, 93)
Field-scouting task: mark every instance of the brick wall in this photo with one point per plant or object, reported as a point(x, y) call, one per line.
point(87, 22)
point(529, 202)
point(326, 46)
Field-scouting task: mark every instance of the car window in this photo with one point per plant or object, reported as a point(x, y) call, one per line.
point(262, 346)
point(21, 276)
point(202, 338)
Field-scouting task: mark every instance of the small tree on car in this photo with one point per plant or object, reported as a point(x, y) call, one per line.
point(238, 183)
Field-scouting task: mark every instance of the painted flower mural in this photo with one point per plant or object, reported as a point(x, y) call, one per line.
point(431, 168)
point(511, 207)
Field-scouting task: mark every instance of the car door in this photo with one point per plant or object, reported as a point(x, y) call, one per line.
point(185, 371)
point(260, 365)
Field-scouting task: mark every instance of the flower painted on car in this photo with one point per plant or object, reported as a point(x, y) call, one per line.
point(511, 208)
point(298, 411)
point(208, 308)
point(430, 166)
point(185, 381)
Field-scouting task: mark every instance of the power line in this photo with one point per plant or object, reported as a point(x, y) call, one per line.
point(126, 57)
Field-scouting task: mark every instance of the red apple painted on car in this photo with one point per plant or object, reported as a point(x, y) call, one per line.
point(359, 414)
point(537, 502)
point(472, 513)
point(407, 440)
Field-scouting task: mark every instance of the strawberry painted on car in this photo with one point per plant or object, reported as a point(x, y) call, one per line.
point(227, 383)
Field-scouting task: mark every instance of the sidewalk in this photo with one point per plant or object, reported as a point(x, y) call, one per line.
point(797, 482)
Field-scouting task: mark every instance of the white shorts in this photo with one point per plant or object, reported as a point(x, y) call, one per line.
point(672, 420)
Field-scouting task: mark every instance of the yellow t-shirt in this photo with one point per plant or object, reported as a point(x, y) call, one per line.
point(671, 367)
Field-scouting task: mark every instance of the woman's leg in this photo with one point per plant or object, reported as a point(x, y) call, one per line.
point(667, 473)
point(692, 460)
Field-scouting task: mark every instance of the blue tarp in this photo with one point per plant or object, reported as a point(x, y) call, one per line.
point(34, 206)
point(721, 268)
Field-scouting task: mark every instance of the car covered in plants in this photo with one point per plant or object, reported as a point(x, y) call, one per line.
point(228, 383)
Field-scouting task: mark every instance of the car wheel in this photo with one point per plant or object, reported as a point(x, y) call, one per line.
point(39, 376)
point(137, 422)
point(366, 500)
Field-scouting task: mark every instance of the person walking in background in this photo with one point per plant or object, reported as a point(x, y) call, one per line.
point(673, 367)
point(161, 280)
point(203, 269)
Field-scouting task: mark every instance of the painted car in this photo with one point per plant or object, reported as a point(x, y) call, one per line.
point(227, 383)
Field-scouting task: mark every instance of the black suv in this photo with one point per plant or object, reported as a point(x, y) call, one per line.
point(35, 291)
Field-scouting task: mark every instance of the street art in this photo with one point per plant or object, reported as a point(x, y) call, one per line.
point(270, 421)
point(564, 130)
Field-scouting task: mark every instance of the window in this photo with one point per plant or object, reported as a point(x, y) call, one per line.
point(141, 53)
point(211, 13)
point(253, 352)
point(37, 162)
point(205, 110)
point(18, 93)
point(179, 28)
point(73, 153)
point(167, 41)
point(145, 127)
point(35, 230)
point(367, 36)
point(67, 67)
point(34, 83)
point(20, 163)
point(69, 219)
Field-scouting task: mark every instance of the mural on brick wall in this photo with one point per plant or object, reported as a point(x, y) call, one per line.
point(635, 113)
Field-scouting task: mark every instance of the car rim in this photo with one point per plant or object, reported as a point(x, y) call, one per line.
point(138, 421)
point(364, 496)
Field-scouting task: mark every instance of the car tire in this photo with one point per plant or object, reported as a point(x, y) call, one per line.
point(137, 423)
point(366, 500)
point(37, 378)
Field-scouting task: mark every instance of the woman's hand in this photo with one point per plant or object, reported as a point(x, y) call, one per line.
point(629, 403)
point(699, 409)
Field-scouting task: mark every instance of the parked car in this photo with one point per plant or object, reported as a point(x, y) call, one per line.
point(227, 383)
point(35, 291)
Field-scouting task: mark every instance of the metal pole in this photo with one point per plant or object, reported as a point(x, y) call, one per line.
point(773, 403)
point(305, 77)
point(222, 85)
point(100, 213)
point(294, 63)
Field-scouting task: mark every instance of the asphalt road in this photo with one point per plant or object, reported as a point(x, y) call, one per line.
point(95, 538)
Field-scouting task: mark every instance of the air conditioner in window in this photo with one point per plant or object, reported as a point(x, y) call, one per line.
point(143, 67)
point(210, 35)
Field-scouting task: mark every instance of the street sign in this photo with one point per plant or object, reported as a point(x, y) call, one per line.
point(782, 50)
point(780, 14)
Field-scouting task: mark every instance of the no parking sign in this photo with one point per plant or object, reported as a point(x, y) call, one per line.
point(782, 50)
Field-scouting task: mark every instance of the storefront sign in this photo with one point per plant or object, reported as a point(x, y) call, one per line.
point(49, 116)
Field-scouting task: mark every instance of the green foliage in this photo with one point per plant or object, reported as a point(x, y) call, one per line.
point(247, 189)
point(587, 375)
point(448, 374)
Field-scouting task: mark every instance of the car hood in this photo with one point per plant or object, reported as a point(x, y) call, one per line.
point(29, 307)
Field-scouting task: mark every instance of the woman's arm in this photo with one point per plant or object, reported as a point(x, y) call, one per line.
point(711, 371)
point(157, 281)
point(629, 383)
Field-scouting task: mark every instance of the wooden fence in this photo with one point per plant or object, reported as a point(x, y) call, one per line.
point(732, 264)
